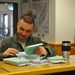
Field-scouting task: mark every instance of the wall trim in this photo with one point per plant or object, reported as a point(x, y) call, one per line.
point(58, 45)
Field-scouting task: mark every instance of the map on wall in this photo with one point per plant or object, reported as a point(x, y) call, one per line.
point(39, 9)
point(43, 15)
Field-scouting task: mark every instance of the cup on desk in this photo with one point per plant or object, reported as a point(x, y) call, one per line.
point(66, 47)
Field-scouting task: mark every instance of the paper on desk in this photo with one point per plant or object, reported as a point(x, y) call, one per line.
point(16, 61)
point(72, 57)
point(21, 55)
point(56, 59)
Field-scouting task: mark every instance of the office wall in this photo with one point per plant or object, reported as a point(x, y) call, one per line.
point(61, 21)
point(64, 20)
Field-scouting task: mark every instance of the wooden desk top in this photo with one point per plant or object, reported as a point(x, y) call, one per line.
point(3, 71)
point(38, 69)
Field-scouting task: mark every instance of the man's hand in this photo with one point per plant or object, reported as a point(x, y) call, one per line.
point(41, 51)
point(10, 52)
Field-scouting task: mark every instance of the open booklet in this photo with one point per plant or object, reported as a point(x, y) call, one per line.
point(29, 50)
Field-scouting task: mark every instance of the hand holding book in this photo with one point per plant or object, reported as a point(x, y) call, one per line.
point(41, 51)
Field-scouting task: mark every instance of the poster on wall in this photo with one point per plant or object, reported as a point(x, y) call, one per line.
point(43, 15)
point(39, 9)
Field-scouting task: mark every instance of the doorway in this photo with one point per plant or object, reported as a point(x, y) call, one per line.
point(8, 19)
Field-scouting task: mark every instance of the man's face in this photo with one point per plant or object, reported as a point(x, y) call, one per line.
point(24, 30)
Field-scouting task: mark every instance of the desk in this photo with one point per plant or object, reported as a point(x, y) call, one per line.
point(38, 69)
point(3, 71)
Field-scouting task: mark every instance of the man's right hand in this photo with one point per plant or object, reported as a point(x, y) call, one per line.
point(10, 52)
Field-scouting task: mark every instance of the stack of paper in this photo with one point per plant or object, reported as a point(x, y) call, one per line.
point(56, 59)
point(16, 61)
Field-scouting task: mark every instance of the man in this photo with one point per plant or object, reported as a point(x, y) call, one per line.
point(12, 45)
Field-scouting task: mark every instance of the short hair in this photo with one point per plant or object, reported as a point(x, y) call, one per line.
point(28, 19)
